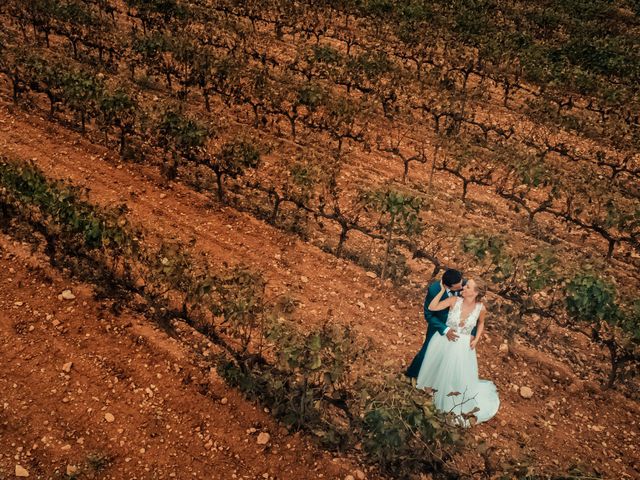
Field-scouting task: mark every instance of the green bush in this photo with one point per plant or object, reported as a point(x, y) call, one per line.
point(591, 298)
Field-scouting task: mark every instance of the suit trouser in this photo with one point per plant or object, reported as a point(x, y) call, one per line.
point(414, 368)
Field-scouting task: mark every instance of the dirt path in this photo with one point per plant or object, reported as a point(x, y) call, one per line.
point(561, 423)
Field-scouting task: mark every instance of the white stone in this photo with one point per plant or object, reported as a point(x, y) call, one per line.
point(526, 392)
point(21, 471)
point(67, 295)
point(263, 438)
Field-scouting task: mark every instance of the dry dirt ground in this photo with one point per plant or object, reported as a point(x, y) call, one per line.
point(567, 421)
point(88, 393)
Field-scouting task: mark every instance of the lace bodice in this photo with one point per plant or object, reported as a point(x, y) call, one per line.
point(453, 320)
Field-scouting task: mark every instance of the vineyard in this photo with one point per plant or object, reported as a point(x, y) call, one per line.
point(284, 178)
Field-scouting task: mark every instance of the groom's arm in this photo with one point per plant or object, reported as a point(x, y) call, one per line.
point(433, 320)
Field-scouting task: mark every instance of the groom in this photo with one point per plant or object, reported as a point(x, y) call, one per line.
point(437, 321)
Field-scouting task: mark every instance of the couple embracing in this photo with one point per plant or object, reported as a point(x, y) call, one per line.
point(447, 361)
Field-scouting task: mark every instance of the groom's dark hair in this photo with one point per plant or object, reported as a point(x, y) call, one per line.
point(451, 277)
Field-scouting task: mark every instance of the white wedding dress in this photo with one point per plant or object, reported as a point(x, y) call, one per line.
point(453, 367)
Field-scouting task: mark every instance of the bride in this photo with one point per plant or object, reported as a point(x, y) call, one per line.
point(451, 367)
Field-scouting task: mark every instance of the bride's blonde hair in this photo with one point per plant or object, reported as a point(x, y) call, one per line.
point(481, 289)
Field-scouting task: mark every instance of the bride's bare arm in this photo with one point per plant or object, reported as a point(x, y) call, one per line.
point(480, 327)
point(437, 304)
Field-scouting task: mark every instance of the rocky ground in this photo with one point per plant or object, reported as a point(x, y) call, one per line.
point(170, 418)
point(86, 394)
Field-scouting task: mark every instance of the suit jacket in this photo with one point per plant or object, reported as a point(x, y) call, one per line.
point(436, 321)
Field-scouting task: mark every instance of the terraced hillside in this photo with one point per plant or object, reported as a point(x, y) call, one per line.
point(300, 171)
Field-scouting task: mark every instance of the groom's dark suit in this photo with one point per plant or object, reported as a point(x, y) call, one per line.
point(436, 322)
